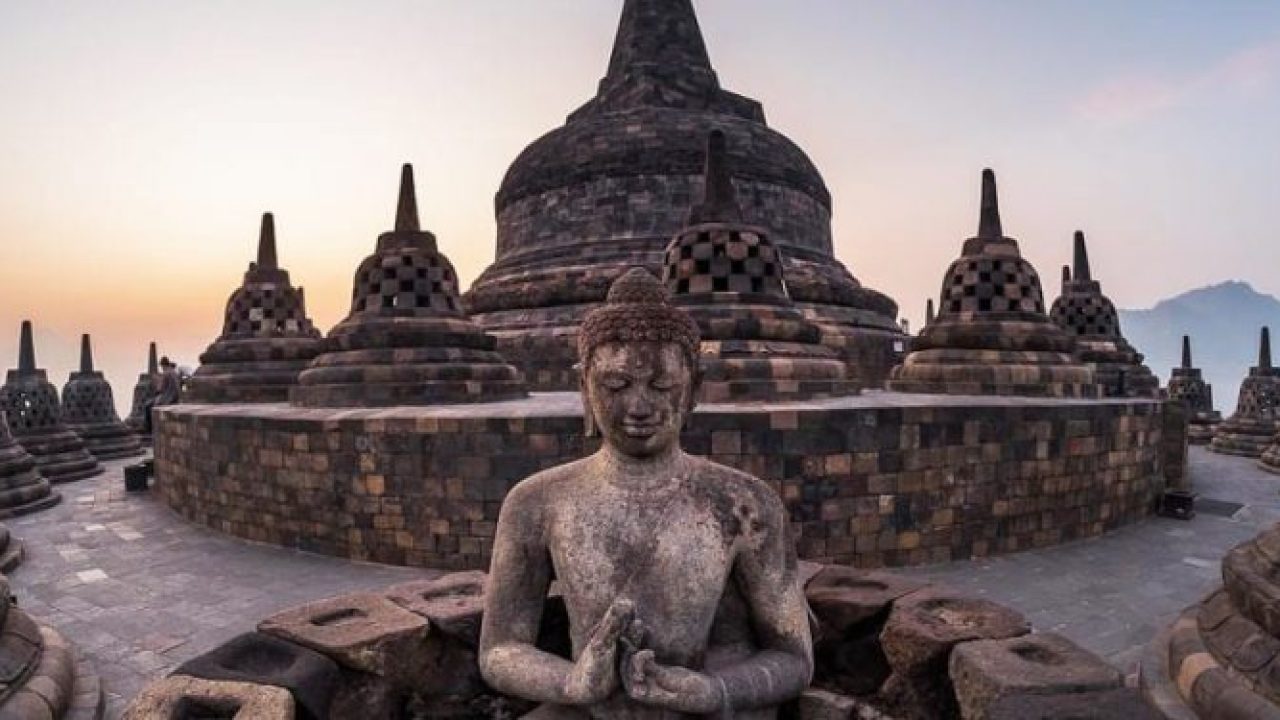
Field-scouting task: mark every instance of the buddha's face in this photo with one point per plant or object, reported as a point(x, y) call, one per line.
point(639, 394)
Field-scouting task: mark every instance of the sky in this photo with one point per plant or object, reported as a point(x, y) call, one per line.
point(140, 141)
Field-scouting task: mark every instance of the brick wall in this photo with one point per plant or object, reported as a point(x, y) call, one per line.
point(880, 480)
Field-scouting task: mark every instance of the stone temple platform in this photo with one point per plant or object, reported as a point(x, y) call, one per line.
point(884, 479)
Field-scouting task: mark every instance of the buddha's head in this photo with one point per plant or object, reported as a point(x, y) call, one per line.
point(639, 361)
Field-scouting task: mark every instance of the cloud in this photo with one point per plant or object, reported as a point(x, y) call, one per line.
point(1134, 96)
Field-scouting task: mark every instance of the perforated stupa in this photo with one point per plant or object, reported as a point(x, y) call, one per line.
point(89, 409)
point(1252, 428)
point(1187, 384)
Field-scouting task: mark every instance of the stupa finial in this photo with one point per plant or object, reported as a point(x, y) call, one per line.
point(989, 220)
point(267, 259)
point(1186, 352)
point(1264, 349)
point(928, 312)
point(1081, 260)
point(407, 207)
point(719, 198)
point(1066, 277)
point(658, 32)
point(26, 349)
point(86, 354)
point(153, 362)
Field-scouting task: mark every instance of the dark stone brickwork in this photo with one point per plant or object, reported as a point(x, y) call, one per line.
point(868, 481)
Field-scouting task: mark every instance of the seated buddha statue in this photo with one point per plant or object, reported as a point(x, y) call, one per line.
point(679, 575)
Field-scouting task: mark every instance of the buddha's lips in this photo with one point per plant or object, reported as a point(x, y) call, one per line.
point(640, 430)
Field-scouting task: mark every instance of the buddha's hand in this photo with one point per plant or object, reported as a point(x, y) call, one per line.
point(671, 688)
point(595, 674)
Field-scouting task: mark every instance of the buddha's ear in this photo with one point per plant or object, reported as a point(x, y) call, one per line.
point(695, 386)
point(588, 417)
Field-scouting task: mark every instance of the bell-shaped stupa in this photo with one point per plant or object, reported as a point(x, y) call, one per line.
point(143, 390)
point(89, 409)
point(22, 488)
point(608, 190)
point(1187, 384)
point(267, 338)
point(991, 335)
point(1091, 318)
point(407, 340)
point(729, 277)
point(30, 402)
point(1253, 426)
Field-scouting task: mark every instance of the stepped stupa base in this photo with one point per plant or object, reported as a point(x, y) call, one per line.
point(1201, 433)
point(112, 441)
point(1270, 459)
point(257, 382)
point(949, 371)
point(15, 502)
point(61, 456)
point(1243, 437)
point(1125, 379)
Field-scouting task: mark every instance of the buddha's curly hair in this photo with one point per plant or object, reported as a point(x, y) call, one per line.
point(638, 309)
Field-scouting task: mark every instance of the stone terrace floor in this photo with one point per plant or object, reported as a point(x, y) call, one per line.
point(140, 590)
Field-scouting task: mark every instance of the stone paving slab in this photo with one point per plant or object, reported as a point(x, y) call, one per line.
point(140, 591)
point(1113, 594)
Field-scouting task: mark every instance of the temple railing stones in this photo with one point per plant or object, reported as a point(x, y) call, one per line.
point(884, 479)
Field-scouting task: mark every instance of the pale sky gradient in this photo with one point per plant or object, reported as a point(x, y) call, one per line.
point(140, 141)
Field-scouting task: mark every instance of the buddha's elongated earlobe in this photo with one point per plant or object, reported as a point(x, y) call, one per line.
point(588, 417)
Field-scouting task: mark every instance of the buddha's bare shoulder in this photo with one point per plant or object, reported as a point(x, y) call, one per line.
point(721, 483)
point(547, 484)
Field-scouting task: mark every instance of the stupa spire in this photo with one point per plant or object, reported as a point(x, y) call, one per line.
point(658, 32)
point(928, 312)
point(1186, 352)
point(26, 349)
point(407, 207)
point(86, 354)
point(267, 259)
point(153, 364)
point(1264, 349)
point(1081, 260)
point(719, 198)
point(989, 219)
point(1066, 277)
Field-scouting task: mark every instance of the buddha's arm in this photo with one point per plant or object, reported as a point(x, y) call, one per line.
point(518, 580)
point(768, 576)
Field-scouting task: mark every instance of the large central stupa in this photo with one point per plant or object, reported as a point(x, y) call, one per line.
point(609, 189)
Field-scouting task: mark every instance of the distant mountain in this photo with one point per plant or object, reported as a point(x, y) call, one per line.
point(1223, 322)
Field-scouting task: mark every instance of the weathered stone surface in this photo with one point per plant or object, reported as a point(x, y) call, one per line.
point(261, 659)
point(817, 704)
point(923, 628)
point(985, 671)
point(991, 335)
point(31, 405)
point(407, 339)
point(1120, 704)
point(266, 340)
point(180, 698)
point(454, 604)
point(362, 631)
point(610, 188)
point(89, 409)
point(1083, 312)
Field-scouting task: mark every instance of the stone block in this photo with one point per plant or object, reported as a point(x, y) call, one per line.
point(361, 631)
point(454, 603)
point(815, 704)
point(987, 670)
point(179, 698)
point(265, 660)
point(843, 597)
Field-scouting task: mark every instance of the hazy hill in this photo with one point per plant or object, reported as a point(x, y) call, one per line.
point(1223, 322)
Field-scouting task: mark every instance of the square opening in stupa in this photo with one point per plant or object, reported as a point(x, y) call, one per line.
point(666, 457)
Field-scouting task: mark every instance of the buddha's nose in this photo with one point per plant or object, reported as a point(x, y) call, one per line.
point(640, 408)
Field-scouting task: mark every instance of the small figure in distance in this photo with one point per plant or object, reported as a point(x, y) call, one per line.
point(679, 575)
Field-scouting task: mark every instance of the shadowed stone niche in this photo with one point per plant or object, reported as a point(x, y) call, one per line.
point(1187, 385)
point(991, 335)
point(142, 392)
point(1221, 658)
point(22, 488)
point(407, 340)
point(89, 409)
point(730, 278)
point(608, 190)
point(30, 403)
point(267, 338)
point(1253, 426)
point(976, 660)
point(1091, 318)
